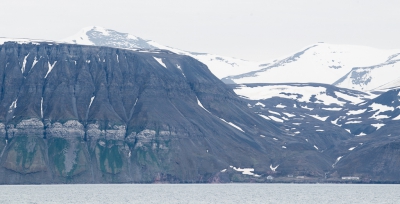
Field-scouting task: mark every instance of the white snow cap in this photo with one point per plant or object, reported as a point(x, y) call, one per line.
point(81, 37)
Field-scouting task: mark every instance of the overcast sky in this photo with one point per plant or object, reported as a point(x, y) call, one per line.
point(247, 29)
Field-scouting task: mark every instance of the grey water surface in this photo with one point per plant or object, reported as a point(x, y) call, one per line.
point(201, 193)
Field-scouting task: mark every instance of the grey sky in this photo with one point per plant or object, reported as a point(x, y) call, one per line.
point(247, 29)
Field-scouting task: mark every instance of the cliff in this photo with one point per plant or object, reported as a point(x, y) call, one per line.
point(85, 114)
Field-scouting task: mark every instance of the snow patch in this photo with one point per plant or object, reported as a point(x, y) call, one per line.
point(315, 147)
point(91, 101)
point(276, 119)
point(332, 109)
point(179, 67)
point(361, 134)
point(233, 125)
point(301, 93)
point(351, 148)
point(265, 117)
point(305, 107)
point(337, 160)
point(273, 112)
point(378, 125)
point(353, 122)
point(379, 108)
point(335, 122)
point(273, 168)
point(159, 60)
point(319, 117)
point(24, 64)
point(328, 100)
point(81, 37)
point(356, 112)
point(201, 105)
point(51, 66)
point(280, 106)
point(379, 117)
point(352, 99)
point(260, 104)
point(14, 104)
point(245, 171)
point(289, 115)
point(34, 62)
point(229, 123)
point(353, 118)
point(396, 118)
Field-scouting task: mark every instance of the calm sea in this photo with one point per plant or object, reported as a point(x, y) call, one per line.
point(201, 193)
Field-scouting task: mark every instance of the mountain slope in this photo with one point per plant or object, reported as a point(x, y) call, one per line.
point(95, 114)
point(89, 114)
point(373, 78)
point(352, 67)
point(220, 66)
point(356, 112)
point(357, 131)
point(347, 66)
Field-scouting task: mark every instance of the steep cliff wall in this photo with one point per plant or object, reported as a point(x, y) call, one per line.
point(84, 114)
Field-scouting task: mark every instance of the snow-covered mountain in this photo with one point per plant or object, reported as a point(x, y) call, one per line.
point(220, 66)
point(347, 66)
point(390, 85)
point(308, 130)
point(323, 82)
point(372, 115)
point(382, 76)
point(303, 108)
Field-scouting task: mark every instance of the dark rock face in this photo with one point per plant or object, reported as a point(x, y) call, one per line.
point(360, 140)
point(83, 114)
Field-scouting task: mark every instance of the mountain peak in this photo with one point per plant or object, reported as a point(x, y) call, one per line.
point(99, 36)
point(347, 66)
point(221, 66)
